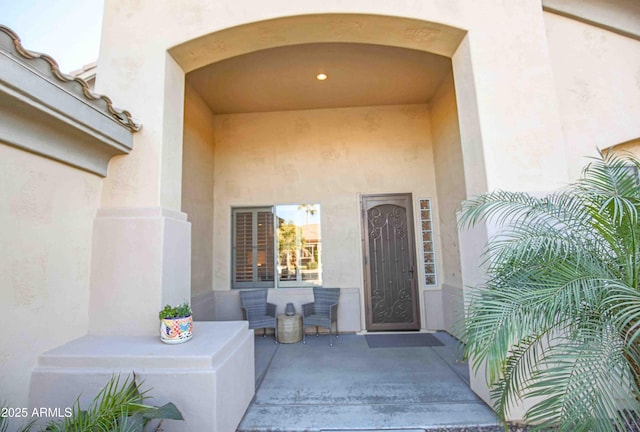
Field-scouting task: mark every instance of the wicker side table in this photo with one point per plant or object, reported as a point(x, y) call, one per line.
point(289, 328)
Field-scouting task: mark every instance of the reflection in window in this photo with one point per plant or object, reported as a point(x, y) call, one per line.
point(289, 242)
point(299, 244)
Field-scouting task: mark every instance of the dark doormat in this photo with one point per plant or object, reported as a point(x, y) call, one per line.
point(402, 340)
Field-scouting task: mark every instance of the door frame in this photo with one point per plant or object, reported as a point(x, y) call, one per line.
point(389, 198)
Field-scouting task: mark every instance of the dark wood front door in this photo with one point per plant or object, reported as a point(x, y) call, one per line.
point(389, 263)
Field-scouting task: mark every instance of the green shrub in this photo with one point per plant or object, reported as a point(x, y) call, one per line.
point(118, 407)
point(558, 319)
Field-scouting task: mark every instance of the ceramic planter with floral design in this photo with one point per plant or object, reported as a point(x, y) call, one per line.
point(176, 324)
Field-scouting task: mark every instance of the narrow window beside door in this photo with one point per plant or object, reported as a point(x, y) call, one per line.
point(428, 250)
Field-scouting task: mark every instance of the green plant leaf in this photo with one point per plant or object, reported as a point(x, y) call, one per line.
point(167, 411)
point(181, 311)
point(129, 423)
point(558, 317)
point(118, 407)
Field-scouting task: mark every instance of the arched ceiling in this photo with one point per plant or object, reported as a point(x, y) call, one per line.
point(284, 78)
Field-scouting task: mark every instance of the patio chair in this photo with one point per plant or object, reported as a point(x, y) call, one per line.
point(323, 312)
point(258, 311)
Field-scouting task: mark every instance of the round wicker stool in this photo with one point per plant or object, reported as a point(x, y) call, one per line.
point(289, 328)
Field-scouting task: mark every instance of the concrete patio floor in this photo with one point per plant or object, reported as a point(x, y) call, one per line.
point(349, 387)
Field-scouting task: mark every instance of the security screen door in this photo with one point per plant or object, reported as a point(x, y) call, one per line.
point(389, 263)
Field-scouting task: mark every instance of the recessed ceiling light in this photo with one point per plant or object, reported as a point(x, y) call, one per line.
point(322, 76)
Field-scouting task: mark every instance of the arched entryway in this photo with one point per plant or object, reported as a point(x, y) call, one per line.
point(261, 132)
point(501, 94)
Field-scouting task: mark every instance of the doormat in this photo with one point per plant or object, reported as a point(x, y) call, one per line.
point(402, 340)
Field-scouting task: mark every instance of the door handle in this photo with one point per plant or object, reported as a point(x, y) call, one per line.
point(410, 271)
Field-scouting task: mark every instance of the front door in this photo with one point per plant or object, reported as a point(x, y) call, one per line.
point(389, 263)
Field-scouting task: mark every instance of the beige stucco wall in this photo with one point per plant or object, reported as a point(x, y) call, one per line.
point(597, 77)
point(450, 179)
point(511, 131)
point(502, 68)
point(328, 157)
point(197, 187)
point(46, 217)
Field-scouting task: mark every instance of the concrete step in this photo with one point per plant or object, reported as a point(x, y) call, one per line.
point(447, 416)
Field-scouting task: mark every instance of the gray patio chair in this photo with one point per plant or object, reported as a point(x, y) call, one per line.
point(323, 312)
point(258, 311)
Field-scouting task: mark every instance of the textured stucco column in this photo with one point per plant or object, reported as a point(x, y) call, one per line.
point(141, 260)
point(510, 126)
point(142, 241)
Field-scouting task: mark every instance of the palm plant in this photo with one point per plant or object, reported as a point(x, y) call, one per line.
point(559, 315)
point(118, 407)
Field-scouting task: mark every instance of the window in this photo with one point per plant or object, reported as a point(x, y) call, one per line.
point(277, 246)
point(253, 248)
point(428, 251)
point(298, 244)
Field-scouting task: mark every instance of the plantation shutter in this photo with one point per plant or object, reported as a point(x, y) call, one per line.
point(253, 248)
point(265, 263)
point(243, 241)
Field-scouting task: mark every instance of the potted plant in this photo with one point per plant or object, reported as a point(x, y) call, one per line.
point(176, 323)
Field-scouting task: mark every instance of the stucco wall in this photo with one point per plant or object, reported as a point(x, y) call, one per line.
point(319, 156)
point(450, 178)
point(502, 66)
point(197, 187)
point(597, 77)
point(46, 218)
point(507, 99)
point(509, 68)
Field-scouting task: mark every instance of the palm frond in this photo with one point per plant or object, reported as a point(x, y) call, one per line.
point(624, 304)
point(519, 367)
point(559, 314)
point(118, 407)
point(105, 409)
point(610, 175)
point(584, 382)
